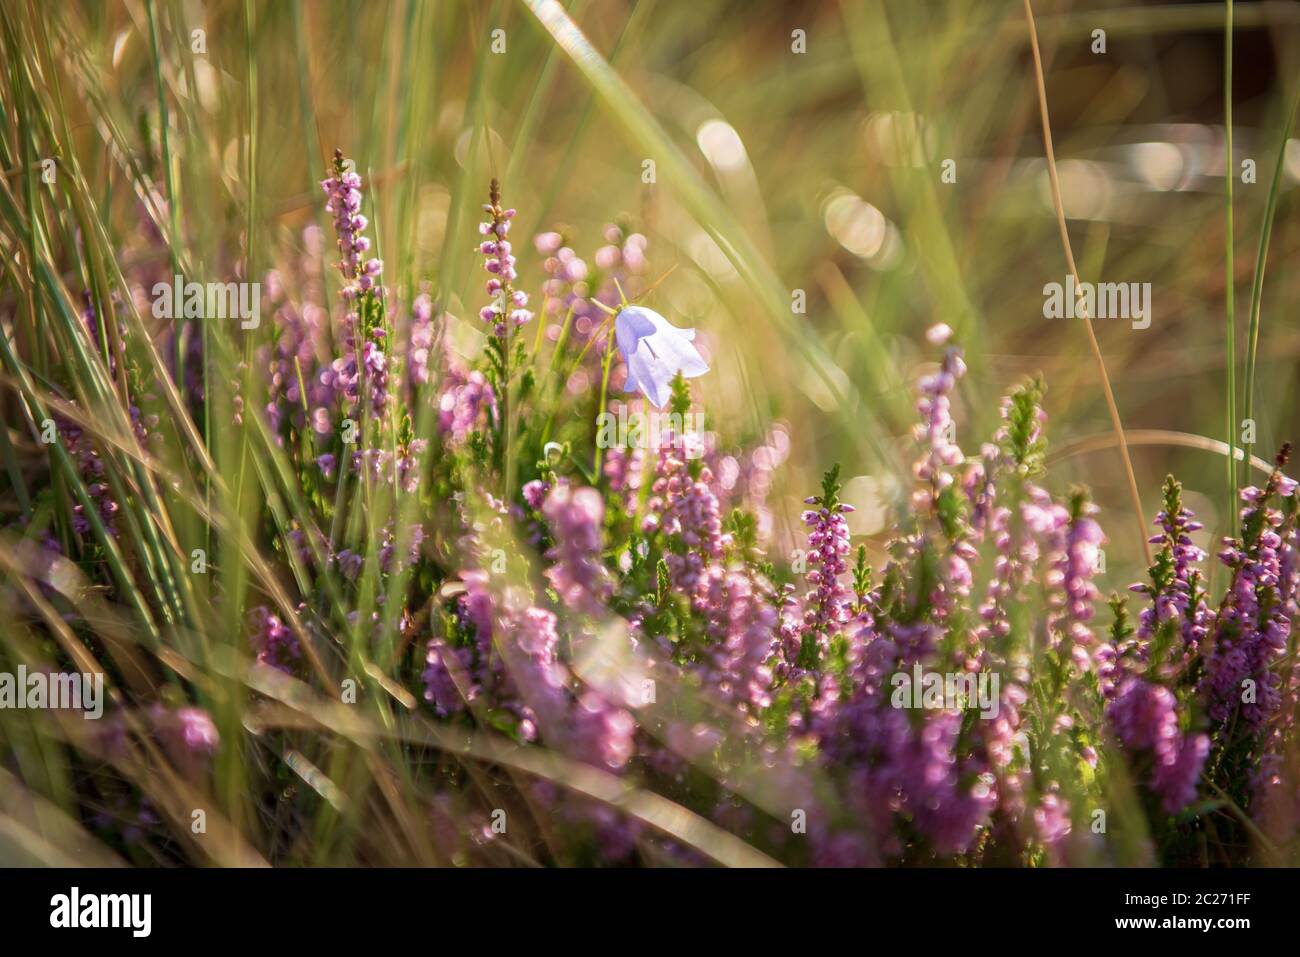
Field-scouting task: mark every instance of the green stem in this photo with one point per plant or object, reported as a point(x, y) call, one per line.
point(1265, 231)
point(1229, 272)
point(604, 389)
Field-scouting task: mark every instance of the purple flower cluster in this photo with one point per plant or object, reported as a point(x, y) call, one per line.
point(936, 774)
point(512, 663)
point(936, 433)
point(273, 641)
point(1254, 622)
point(1145, 719)
point(786, 669)
point(742, 617)
point(1071, 591)
point(576, 572)
point(419, 342)
point(367, 364)
point(91, 468)
point(828, 548)
point(507, 307)
point(573, 286)
point(900, 767)
point(466, 404)
point(685, 509)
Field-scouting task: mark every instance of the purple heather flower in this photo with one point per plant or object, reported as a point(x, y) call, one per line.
point(1072, 591)
point(655, 351)
point(188, 735)
point(350, 564)
point(507, 306)
point(828, 549)
point(686, 509)
point(576, 517)
point(465, 403)
point(1175, 587)
point(743, 619)
point(91, 468)
point(1255, 619)
point(895, 764)
point(1145, 719)
point(940, 453)
point(573, 288)
point(443, 665)
point(388, 548)
point(370, 364)
point(273, 641)
point(420, 341)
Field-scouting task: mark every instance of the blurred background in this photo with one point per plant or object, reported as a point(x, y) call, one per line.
point(795, 148)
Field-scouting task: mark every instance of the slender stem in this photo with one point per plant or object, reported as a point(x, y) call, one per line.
point(1228, 290)
point(1265, 231)
point(508, 459)
point(164, 136)
point(604, 391)
point(1109, 394)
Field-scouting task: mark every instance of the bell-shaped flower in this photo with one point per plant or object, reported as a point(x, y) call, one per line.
point(655, 351)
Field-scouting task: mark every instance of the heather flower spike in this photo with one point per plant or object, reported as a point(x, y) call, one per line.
point(654, 350)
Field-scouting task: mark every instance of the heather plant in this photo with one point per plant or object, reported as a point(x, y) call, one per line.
point(370, 583)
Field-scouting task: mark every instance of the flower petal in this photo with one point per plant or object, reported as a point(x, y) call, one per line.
point(630, 326)
point(655, 351)
point(663, 325)
point(653, 376)
point(676, 352)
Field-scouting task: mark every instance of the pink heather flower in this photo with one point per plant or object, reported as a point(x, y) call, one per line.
point(574, 286)
point(420, 341)
point(940, 452)
point(576, 518)
point(1145, 719)
point(273, 641)
point(548, 243)
point(188, 736)
point(442, 666)
point(1073, 591)
point(624, 470)
point(1255, 619)
point(196, 731)
point(938, 334)
point(465, 404)
point(91, 468)
point(743, 619)
point(344, 192)
point(601, 733)
point(506, 308)
point(828, 549)
point(1052, 819)
point(689, 512)
point(370, 364)
point(1176, 595)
